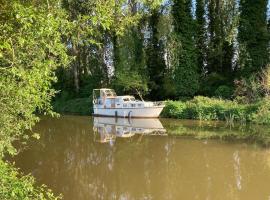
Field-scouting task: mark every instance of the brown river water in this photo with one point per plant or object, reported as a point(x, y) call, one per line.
point(91, 159)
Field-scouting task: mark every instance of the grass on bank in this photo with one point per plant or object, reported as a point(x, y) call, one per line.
point(205, 108)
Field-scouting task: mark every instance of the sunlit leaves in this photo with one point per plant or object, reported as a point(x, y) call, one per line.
point(31, 47)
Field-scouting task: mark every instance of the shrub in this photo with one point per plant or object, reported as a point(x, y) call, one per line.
point(14, 185)
point(262, 116)
point(224, 92)
point(81, 106)
point(205, 108)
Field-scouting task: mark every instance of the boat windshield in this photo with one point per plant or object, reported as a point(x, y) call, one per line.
point(110, 93)
point(128, 99)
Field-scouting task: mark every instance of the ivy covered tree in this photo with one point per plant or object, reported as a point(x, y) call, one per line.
point(222, 21)
point(155, 56)
point(128, 54)
point(253, 37)
point(186, 74)
point(201, 34)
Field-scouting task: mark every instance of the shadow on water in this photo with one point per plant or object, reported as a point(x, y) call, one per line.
point(104, 158)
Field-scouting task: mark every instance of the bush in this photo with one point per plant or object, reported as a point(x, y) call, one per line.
point(204, 108)
point(81, 106)
point(224, 92)
point(13, 185)
point(262, 116)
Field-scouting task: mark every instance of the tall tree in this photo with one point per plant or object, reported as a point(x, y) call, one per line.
point(222, 21)
point(31, 49)
point(201, 34)
point(129, 56)
point(222, 17)
point(253, 37)
point(155, 56)
point(268, 28)
point(186, 74)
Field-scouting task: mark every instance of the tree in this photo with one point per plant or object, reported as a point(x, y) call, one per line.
point(186, 74)
point(253, 37)
point(129, 57)
point(222, 17)
point(155, 56)
point(31, 49)
point(201, 34)
point(219, 69)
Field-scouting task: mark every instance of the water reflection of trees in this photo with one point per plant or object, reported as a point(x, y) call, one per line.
point(68, 160)
point(251, 133)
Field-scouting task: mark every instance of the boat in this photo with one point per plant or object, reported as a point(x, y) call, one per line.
point(107, 103)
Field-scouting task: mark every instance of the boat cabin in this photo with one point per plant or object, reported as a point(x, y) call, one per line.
point(107, 98)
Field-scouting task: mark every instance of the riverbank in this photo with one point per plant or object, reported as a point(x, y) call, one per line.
point(199, 108)
point(79, 106)
point(205, 108)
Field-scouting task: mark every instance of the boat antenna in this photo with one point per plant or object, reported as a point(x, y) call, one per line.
point(139, 94)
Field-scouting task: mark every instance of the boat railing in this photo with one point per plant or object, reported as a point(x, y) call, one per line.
point(159, 103)
point(155, 103)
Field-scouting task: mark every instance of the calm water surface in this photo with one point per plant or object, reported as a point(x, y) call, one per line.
point(87, 158)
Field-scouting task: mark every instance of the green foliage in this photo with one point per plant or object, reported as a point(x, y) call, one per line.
point(130, 82)
point(15, 186)
point(262, 116)
point(81, 106)
point(186, 72)
point(201, 33)
point(224, 92)
point(223, 21)
point(204, 108)
point(253, 37)
point(248, 90)
point(211, 82)
point(156, 66)
point(31, 48)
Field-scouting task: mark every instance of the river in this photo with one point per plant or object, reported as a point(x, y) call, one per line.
point(143, 159)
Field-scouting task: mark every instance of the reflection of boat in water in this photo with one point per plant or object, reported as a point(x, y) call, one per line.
point(107, 129)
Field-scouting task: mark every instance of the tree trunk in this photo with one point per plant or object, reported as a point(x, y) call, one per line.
point(75, 70)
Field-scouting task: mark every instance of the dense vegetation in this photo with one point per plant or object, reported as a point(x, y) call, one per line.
point(174, 49)
point(14, 185)
point(204, 108)
point(170, 50)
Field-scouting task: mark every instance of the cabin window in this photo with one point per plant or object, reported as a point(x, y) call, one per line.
point(112, 101)
point(133, 105)
point(124, 105)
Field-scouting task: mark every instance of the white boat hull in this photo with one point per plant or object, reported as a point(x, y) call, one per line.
point(149, 112)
